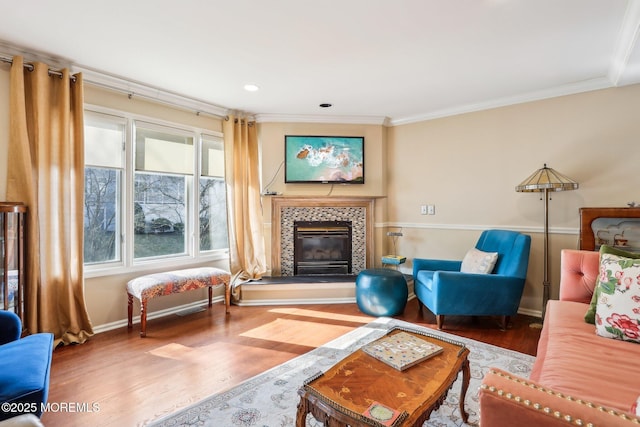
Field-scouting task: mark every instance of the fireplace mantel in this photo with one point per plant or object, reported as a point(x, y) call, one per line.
point(310, 205)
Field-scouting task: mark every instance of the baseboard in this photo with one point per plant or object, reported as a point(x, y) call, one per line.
point(247, 303)
point(302, 301)
point(529, 312)
point(157, 314)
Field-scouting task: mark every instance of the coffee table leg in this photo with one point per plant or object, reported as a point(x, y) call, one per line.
point(301, 416)
point(466, 375)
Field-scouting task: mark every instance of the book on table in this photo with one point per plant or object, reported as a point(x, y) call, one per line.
point(393, 259)
point(382, 414)
point(401, 350)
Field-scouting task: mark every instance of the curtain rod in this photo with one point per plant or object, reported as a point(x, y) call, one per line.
point(137, 94)
point(29, 66)
point(99, 79)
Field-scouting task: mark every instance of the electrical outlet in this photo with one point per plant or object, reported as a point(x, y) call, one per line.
point(423, 210)
point(431, 209)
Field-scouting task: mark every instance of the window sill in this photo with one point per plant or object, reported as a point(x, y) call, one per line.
point(154, 265)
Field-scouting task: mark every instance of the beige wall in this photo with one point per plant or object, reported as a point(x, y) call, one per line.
point(466, 165)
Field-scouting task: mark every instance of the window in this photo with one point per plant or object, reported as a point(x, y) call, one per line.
point(164, 170)
point(212, 215)
point(104, 166)
point(152, 192)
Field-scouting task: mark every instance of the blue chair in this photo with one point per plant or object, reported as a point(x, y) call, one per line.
point(25, 366)
point(445, 290)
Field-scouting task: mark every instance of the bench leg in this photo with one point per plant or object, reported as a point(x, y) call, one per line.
point(227, 298)
point(129, 311)
point(143, 318)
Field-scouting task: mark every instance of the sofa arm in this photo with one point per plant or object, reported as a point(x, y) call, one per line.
point(578, 273)
point(10, 327)
point(508, 400)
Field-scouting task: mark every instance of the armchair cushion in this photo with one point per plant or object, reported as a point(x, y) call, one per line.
point(477, 261)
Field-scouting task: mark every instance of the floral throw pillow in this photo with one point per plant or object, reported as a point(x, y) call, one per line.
point(590, 315)
point(618, 301)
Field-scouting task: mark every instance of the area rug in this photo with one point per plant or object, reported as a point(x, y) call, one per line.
point(270, 399)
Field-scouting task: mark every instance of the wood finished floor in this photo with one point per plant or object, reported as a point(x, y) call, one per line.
point(132, 381)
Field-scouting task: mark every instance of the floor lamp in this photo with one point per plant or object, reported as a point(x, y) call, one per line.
point(545, 180)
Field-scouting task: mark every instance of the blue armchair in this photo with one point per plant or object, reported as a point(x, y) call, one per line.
point(443, 289)
point(25, 365)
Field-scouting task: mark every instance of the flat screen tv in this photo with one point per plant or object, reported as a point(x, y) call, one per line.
point(324, 159)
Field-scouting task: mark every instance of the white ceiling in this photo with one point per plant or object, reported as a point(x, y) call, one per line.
point(399, 60)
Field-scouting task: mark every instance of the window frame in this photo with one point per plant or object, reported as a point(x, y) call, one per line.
point(192, 253)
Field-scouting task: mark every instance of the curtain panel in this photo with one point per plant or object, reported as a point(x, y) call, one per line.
point(46, 173)
point(246, 226)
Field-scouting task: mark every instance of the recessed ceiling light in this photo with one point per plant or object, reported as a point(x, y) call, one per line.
point(250, 87)
point(325, 105)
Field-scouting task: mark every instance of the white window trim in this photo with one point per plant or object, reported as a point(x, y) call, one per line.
point(128, 263)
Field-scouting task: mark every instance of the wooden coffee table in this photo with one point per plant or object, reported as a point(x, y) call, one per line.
point(340, 396)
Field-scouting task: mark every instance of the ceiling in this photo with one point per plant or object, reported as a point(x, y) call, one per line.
point(386, 61)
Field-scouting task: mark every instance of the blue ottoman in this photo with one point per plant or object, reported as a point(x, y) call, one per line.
point(381, 292)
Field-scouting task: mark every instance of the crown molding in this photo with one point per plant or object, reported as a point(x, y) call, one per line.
point(619, 72)
point(137, 89)
point(569, 89)
point(112, 82)
point(8, 51)
point(300, 118)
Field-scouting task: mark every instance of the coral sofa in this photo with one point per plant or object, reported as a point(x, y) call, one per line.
point(578, 377)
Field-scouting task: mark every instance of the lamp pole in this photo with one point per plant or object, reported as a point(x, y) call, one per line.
point(545, 180)
point(546, 286)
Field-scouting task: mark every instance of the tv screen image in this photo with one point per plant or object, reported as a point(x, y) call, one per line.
point(324, 159)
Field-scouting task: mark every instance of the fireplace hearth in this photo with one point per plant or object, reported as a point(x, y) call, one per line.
point(322, 247)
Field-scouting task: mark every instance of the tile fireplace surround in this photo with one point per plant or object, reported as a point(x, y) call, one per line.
point(286, 210)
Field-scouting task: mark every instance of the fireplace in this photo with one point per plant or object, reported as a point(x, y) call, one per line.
point(287, 210)
point(322, 247)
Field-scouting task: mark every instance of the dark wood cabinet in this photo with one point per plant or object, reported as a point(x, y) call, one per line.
point(12, 257)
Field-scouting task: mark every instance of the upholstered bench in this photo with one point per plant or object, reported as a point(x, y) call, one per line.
point(174, 282)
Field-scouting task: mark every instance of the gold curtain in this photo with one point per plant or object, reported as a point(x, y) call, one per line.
point(46, 172)
point(246, 227)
